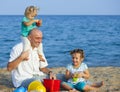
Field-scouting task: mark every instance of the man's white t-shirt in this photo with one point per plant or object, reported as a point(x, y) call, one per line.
point(26, 69)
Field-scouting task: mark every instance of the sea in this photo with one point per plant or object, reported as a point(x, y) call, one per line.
point(97, 35)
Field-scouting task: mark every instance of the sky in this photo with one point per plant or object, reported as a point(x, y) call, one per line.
point(62, 7)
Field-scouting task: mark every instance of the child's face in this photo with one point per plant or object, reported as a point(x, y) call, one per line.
point(32, 15)
point(77, 59)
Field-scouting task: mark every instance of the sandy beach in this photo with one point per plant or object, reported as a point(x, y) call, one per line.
point(110, 76)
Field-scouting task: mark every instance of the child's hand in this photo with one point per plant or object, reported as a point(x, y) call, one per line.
point(41, 58)
point(80, 74)
point(36, 20)
point(39, 23)
point(75, 75)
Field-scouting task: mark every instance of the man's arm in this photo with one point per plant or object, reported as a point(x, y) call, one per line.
point(45, 70)
point(49, 72)
point(14, 64)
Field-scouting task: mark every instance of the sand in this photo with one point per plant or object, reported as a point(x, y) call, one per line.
point(110, 76)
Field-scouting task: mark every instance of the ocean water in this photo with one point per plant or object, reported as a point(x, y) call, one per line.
point(98, 36)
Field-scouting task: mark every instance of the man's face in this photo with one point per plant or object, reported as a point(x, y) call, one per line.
point(36, 39)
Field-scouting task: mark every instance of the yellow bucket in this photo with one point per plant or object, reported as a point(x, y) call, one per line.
point(36, 86)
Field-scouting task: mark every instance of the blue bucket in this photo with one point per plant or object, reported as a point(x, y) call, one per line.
point(20, 89)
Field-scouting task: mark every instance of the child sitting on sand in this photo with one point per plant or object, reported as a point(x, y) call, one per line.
point(28, 23)
point(77, 73)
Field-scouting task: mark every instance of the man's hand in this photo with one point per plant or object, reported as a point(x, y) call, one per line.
point(52, 75)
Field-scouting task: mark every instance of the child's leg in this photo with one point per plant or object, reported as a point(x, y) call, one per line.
point(67, 86)
point(40, 53)
point(83, 87)
point(80, 86)
point(89, 88)
point(26, 43)
point(97, 85)
point(94, 86)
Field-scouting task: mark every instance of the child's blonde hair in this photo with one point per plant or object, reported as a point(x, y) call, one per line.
point(80, 51)
point(30, 9)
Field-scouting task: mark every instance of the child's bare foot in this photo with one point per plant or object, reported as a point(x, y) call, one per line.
point(99, 84)
point(41, 58)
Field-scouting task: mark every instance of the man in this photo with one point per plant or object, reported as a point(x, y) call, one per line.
point(25, 67)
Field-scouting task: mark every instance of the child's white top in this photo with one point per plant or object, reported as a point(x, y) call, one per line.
point(82, 68)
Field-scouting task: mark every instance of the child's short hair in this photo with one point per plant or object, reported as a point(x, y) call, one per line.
point(30, 9)
point(78, 51)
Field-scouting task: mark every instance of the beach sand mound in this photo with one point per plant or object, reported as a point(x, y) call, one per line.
point(110, 76)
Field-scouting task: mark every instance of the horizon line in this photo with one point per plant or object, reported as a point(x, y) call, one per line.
point(66, 14)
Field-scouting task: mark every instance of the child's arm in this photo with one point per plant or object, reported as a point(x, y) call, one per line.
point(68, 74)
point(84, 74)
point(30, 22)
